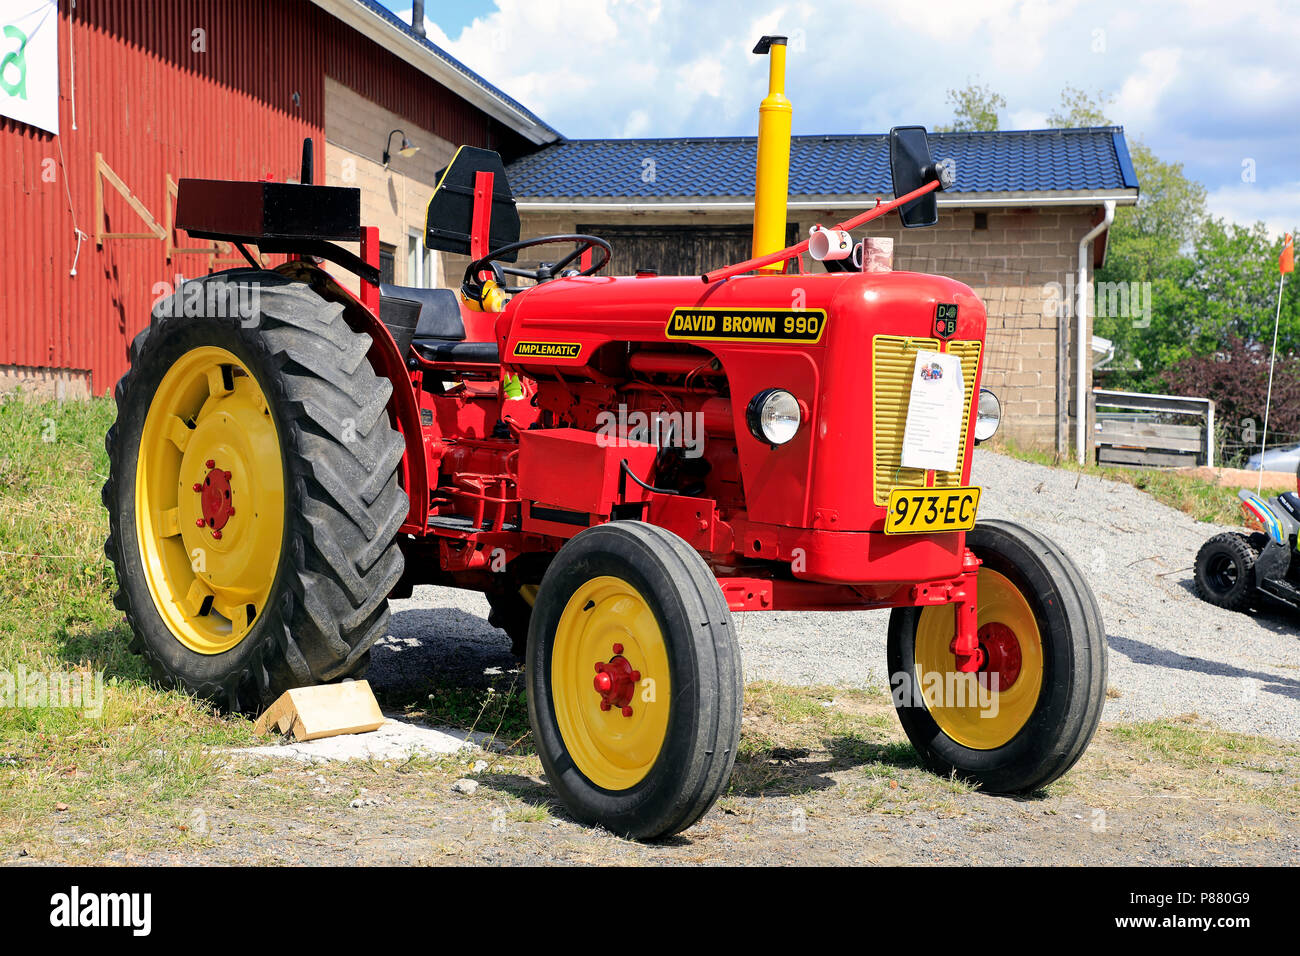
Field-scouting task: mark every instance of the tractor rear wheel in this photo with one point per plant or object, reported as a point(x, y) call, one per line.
point(634, 680)
point(252, 492)
point(1029, 714)
point(1225, 571)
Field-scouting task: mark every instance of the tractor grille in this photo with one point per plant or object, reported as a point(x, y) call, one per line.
point(895, 360)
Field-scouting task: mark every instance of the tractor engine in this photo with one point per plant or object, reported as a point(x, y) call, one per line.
point(663, 363)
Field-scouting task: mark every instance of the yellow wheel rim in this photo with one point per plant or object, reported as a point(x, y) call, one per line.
point(613, 749)
point(210, 545)
point(966, 708)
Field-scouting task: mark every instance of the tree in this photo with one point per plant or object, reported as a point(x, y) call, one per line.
point(1235, 375)
point(1078, 109)
point(1147, 243)
point(974, 107)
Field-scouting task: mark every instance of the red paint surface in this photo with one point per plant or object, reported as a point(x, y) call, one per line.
point(153, 106)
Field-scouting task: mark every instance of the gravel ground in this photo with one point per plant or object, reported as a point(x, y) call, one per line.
point(1170, 653)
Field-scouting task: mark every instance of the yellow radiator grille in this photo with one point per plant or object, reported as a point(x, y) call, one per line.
point(970, 364)
point(895, 359)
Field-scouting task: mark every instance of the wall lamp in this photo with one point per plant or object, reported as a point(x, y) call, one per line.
point(406, 149)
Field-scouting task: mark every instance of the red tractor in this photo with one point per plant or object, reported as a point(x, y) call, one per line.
point(618, 462)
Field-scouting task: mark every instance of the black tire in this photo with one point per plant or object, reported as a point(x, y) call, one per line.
point(342, 501)
point(509, 609)
point(698, 751)
point(509, 612)
point(1073, 688)
point(1225, 571)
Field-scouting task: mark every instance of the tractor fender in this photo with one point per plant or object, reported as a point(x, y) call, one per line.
point(388, 362)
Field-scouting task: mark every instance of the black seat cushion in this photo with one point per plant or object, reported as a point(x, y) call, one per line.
point(439, 351)
point(439, 312)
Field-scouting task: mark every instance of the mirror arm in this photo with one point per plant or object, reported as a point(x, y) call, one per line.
point(799, 248)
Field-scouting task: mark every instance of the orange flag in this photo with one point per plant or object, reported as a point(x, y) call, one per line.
point(1286, 261)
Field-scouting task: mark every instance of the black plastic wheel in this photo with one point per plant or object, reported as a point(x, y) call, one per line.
point(648, 752)
point(1225, 571)
point(1029, 715)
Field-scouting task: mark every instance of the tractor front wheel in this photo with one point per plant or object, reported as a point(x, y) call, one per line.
point(1029, 713)
point(252, 493)
point(634, 680)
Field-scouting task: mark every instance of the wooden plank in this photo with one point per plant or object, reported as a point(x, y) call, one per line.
point(1147, 459)
point(309, 713)
point(105, 172)
point(1153, 428)
point(1160, 403)
point(1142, 440)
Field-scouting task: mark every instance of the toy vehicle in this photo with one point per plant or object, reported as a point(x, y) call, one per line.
point(287, 456)
point(1238, 571)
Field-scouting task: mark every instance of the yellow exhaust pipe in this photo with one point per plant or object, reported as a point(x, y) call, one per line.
point(772, 179)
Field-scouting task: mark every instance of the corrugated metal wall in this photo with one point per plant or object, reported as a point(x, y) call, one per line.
point(154, 103)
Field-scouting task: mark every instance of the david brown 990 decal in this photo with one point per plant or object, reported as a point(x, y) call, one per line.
point(569, 350)
point(788, 326)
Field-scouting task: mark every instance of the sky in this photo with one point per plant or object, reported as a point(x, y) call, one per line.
point(1213, 85)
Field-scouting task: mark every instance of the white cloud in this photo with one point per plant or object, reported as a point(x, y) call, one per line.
point(1200, 81)
point(1139, 98)
point(1278, 207)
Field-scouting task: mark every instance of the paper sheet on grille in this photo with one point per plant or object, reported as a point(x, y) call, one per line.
point(934, 411)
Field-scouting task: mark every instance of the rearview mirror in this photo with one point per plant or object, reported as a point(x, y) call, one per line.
point(910, 167)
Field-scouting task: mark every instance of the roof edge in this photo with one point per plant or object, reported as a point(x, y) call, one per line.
point(741, 138)
point(1125, 160)
point(440, 66)
point(1060, 197)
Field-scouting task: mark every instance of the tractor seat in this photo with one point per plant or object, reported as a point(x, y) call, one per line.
point(439, 329)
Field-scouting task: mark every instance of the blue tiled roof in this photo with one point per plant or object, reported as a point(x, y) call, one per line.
point(440, 53)
point(1012, 161)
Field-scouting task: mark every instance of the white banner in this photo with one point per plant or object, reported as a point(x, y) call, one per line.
point(29, 62)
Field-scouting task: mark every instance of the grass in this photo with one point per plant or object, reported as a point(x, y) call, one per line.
point(139, 775)
point(1182, 741)
point(1202, 499)
point(140, 744)
point(499, 711)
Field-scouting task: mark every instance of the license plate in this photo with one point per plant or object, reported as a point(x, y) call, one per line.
point(929, 510)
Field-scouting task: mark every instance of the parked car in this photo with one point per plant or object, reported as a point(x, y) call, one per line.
point(1284, 458)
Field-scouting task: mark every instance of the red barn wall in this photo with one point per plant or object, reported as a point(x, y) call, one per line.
point(153, 106)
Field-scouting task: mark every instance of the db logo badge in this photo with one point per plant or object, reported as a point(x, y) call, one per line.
point(945, 320)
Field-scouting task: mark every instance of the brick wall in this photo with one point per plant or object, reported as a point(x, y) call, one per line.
point(1010, 264)
point(394, 199)
point(39, 384)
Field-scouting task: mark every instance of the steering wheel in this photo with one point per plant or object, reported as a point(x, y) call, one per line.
point(472, 285)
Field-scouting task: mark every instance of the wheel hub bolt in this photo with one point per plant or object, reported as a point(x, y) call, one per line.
point(615, 682)
point(215, 498)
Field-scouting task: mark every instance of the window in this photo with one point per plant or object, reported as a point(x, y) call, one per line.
point(386, 254)
point(419, 263)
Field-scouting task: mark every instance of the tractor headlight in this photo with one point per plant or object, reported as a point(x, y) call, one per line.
point(988, 415)
point(773, 416)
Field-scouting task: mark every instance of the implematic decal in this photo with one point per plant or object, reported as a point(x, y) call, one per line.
point(570, 350)
point(792, 326)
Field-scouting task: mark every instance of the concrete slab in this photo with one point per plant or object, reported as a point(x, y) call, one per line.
point(394, 740)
